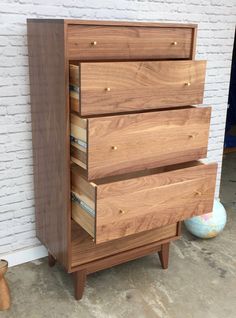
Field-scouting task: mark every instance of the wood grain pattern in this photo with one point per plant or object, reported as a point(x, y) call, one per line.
point(84, 250)
point(146, 140)
point(120, 258)
point(50, 129)
point(140, 203)
point(153, 201)
point(139, 86)
point(128, 43)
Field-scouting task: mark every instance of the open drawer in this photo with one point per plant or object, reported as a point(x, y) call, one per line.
point(111, 145)
point(113, 87)
point(115, 207)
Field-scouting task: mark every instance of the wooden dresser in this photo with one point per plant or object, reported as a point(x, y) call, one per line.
point(116, 140)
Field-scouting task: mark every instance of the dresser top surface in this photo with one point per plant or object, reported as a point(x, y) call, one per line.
point(115, 23)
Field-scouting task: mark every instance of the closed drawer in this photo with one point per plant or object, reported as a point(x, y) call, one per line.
point(84, 250)
point(115, 207)
point(112, 145)
point(103, 88)
point(127, 43)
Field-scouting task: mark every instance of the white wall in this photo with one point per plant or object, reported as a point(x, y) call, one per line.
point(216, 19)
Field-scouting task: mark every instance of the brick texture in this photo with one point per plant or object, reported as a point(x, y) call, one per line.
point(216, 20)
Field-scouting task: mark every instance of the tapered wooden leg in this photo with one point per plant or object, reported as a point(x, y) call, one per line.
point(80, 280)
point(164, 255)
point(51, 260)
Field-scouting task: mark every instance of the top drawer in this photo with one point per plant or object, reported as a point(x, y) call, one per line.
point(129, 43)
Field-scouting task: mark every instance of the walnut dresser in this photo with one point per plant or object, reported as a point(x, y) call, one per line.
point(116, 140)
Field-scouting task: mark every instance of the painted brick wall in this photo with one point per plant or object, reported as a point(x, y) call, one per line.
point(216, 19)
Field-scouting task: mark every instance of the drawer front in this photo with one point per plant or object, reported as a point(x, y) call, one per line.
point(120, 144)
point(133, 86)
point(84, 250)
point(140, 203)
point(127, 43)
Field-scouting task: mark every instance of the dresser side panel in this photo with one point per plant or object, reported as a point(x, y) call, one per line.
point(50, 135)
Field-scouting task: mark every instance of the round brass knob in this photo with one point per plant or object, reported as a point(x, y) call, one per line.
point(121, 211)
point(108, 89)
point(114, 147)
point(191, 136)
point(94, 43)
point(198, 193)
point(174, 43)
point(187, 84)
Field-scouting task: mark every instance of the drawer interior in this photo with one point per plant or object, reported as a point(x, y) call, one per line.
point(118, 206)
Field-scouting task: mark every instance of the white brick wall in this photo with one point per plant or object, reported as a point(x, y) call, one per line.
point(216, 19)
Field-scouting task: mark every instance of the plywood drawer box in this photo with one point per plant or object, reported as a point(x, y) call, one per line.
point(129, 43)
point(117, 144)
point(113, 87)
point(115, 207)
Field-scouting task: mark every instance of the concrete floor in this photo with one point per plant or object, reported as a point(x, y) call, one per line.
point(200, 281)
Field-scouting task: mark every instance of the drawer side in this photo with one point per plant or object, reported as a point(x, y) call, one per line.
point(83, 204)
point(78, 138)
point(74, 82)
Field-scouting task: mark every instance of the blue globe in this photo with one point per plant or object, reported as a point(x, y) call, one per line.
point(208, 225)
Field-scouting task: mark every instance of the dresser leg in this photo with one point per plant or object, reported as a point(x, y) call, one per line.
point(164, 255)
point(51, 260)
point(80, 280)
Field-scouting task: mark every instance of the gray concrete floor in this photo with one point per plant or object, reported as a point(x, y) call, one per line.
point(200, 281)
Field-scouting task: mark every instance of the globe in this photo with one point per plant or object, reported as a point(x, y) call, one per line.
point(208, 225)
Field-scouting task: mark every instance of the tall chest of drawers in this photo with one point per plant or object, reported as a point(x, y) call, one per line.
point(116, 140)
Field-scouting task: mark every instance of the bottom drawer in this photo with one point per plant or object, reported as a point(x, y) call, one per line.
point(84, 250)
point(115, 207)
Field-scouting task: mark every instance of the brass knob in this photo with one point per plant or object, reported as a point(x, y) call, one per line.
point(108, 89)
point(191, 136)
point(114, 147)
point(174, 43)
point(94, 43)
point(187, 84)
point(121, 211)
point(198, 193)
